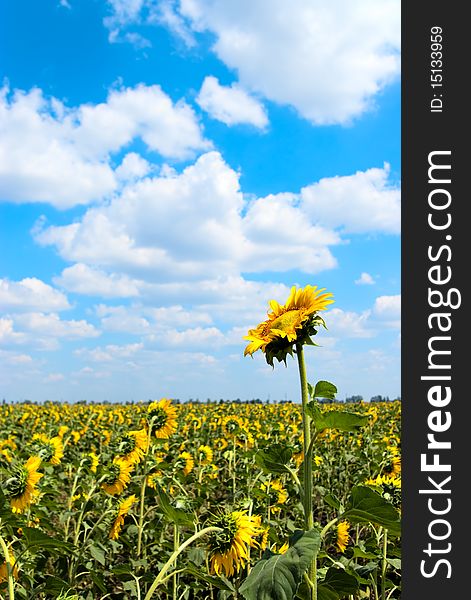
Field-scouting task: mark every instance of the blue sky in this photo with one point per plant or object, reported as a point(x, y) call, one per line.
point(169, 166)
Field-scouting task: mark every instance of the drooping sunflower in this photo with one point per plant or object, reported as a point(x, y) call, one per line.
point(290, 323)
point(21, 487)
point(132, 445)
point(48, 449)
point(92, 460)
point(163, 416)
point(118, 476)
point(342, 535)
point(228, 549)
point(123, 509)
point(4, 568)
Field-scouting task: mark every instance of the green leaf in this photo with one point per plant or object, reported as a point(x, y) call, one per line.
point(174, 515)
point(367, 506)
point(215, 581)
point(325, 593)
point(274, 459)
point(98, 554)
point(335, 419)
point(277, 576)
point(35, 537)
point(332, 500)
point(359, 553)
point(395, 563)
point(324, 389)
point(339, 582)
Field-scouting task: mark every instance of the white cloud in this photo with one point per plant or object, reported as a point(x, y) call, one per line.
point(132, 167)
point(82, 279)
point(31, 294)
point(348, 324)
point(7, 333)
point(388, 310)
point(51, 153)
point(110, 352)
point(230, 104)
point(359, 203)
point(194, 225)
point(52, 326)
point(53, 378)
point(365, 279)
point(327, 60)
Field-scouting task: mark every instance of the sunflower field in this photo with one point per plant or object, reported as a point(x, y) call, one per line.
point(205, 501)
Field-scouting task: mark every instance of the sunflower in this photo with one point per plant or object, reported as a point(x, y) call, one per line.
point(189, 462)
point(342, 535)
point(229, 549)
point(118, 477)
point(290, 323)
point(276, 493)
point(123, 509)
point(164, 418)
point(92, 461)
point(133, 445)
point(48, 449)
point(4, 568)
point(21, 488)
point(205, 454)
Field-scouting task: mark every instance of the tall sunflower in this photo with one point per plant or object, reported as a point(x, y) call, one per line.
point(118, 477)
point(229, 549)
point(21, 487)
point(290, 323)
point(163, 416)
point(123, 509)
point(342, 535)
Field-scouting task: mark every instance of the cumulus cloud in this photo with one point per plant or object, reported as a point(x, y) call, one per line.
point(327, 60)
point(230, 104)
point(365, 279)
point(51, 325)
point(388, 310)
point(63, 156)
point(82, 279)
point(31, 294)
point(193, 225)
point(359, 203)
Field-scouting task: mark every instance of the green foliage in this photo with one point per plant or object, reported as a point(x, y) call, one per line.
point(367, 506)
point(277, 576)
point(274, 459)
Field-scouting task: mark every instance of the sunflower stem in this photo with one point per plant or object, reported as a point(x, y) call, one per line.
point(160, 577)
point(140, 526)
point(11, 581)
point(307, 474)
point(384, 564)
point(176, 545)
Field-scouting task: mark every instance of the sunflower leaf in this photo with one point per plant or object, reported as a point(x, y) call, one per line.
point(174, 515)
point(367, 506)
point(338, 582)
point(275, 459)
point(335, 419)
point(325, 389)
point(277, 576)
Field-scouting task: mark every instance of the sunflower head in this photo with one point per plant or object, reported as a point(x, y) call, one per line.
point(294, 322)
point(20, 488)
point(342, 535)
point(228, 548)
point(162, 416)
